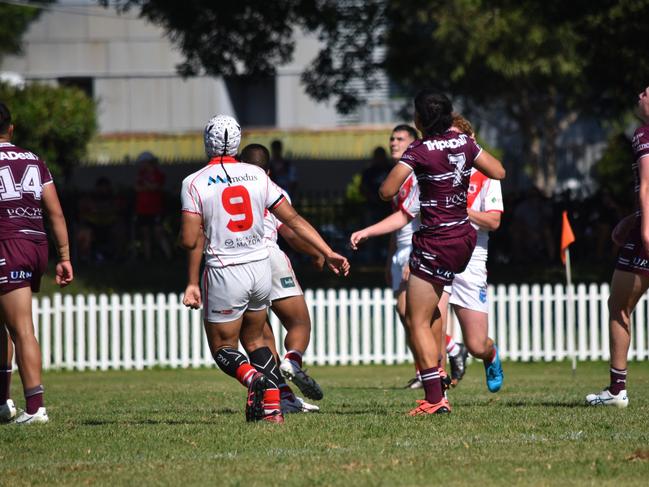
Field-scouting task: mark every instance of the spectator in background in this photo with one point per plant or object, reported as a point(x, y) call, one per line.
point(149, 205)
point(101, 233)
point(531, 228)
point(283, 171)
point(371, 180)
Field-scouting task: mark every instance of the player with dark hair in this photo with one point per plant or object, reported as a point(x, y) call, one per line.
point(25, 190)
point(223, 206)
point(287, 298)
point(631, 277)
point(468, 293)
point(443, 245)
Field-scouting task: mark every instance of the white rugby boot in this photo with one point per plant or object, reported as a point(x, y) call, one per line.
point(7, 411)
point(296, 404)
point(39, 417)
point(605, 398)
point(293, 372)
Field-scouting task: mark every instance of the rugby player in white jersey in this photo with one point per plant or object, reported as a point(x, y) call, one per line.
point(26, 189)
point(287, 298)
point(468, 292)
point(226, 201)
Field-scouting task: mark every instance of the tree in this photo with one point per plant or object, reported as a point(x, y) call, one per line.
point(14, 21)
point(539, 62)
point(253, 38)
point(56, 123)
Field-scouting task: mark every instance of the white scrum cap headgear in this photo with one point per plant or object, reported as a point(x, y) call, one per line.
point(222, 136)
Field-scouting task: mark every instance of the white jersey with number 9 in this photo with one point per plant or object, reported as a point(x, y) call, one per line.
point(231, 200)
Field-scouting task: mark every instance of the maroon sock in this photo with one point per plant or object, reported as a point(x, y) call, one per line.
point(618, 381)
point(432, 385)
point(5, 384)
point(34, 399)
point(295, 356)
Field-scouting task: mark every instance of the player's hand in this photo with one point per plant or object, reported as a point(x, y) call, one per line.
point(622, 229)
point(338, 264)
point(64, 273)
point(192, 296)
point(357, 238)
point(406, 272)
point(318, 262)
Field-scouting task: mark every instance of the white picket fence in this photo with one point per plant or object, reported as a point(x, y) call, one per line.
point(349, 327)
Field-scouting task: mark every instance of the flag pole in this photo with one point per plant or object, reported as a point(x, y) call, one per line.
point(571, 313)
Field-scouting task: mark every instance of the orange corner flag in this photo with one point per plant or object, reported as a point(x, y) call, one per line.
point(567, 237)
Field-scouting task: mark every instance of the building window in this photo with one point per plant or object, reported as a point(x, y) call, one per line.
point(253, 99)
point(84, 83)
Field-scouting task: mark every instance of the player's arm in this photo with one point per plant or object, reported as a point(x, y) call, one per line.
point(52, 205)
point(190, 230)
point(622, 229)
point(389, 224)
point(300, 245)
point(489, 165)
point(643, 169)
point(285, 212)
point(390, 187)
point(486, 220)
point(192, 295)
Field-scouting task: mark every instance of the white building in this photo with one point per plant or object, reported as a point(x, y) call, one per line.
point(129, 67)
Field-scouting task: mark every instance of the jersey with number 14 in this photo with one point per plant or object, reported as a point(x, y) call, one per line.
point(22, 177)
point(231, 200)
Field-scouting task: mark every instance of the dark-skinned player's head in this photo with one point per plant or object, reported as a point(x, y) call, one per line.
point(5, 121)
point(433, 112)
point(257, 155)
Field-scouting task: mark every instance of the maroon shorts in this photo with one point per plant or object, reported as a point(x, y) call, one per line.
point(438, 260)
point(632, 256)
point(22, 264)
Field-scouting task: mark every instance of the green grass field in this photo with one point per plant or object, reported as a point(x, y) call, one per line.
point(186, 427)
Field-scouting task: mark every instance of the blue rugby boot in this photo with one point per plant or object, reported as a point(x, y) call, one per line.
point(494, 373)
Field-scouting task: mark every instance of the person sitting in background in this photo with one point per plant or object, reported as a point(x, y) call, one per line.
point(149, 205)
point(101, 233)
point(284, 173)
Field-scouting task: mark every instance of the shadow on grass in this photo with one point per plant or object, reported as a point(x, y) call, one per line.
point(161, 421)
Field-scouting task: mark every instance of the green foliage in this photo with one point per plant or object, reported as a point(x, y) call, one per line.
point(14, 21)
point(353, 193)
point(186, 427)
point(613, 170)
point(56, 123)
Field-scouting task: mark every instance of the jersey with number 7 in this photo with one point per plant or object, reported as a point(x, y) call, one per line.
point(231, 199)
point(22, 177)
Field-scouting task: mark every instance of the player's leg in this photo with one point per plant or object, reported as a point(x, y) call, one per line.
point(421, 310)
point(290, 307)
point(475, 331)
point(626, 289)
point(16, 307)
point(7, 407)
point(294, 315)
point(261, 357)
point(289, 401)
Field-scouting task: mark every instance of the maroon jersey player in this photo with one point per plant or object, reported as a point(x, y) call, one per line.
point(631, 276)
point(442, 162)
point(26, 190)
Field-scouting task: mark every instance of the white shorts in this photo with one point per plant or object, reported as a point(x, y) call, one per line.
point(284, 281)
point(229, 291)
point(469, 288)
point(400, 259)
